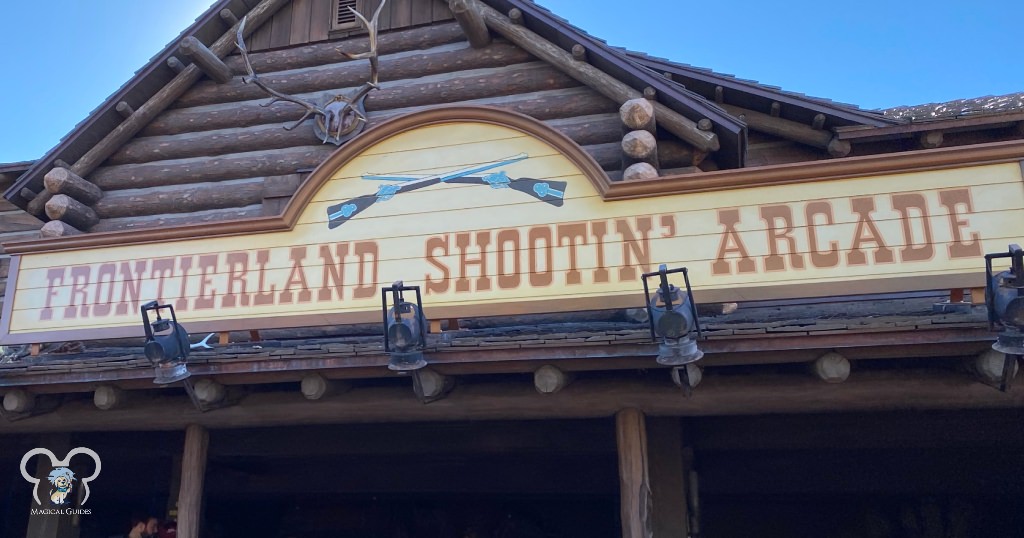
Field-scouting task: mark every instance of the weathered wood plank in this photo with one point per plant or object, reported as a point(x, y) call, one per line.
point(447, 88)
point(180, 199)
point(181, 219)
point(320, 20)
point(301, 21)
point(422, 11)
point(399, 66)
point(401, 13)
point(201, 169)
point(18, 221)
point(441, 11)
point(260, 39)
point(281, 27)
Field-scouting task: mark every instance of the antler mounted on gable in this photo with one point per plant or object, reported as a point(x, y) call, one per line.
point(339, 117)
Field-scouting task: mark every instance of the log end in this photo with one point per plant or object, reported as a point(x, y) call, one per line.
point(58, 228)
point(639, 171)
point(637, 114)
point(839, 148)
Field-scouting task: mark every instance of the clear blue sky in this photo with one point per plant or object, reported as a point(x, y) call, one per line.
point(60, 59)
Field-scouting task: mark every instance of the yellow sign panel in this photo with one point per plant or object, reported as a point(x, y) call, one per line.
point(490, 219)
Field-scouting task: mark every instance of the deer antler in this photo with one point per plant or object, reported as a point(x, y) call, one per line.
point(311, 108)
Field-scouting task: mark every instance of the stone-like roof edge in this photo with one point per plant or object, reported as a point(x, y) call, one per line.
point(958, 108)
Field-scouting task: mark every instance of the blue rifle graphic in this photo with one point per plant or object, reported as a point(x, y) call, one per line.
point(551, 192)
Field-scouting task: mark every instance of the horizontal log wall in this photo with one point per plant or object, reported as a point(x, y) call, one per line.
point(308, 21)
point(207, 157)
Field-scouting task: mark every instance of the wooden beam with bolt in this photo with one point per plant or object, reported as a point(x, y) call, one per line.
point(202, 56)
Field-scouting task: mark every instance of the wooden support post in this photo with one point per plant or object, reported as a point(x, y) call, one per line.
point(57, 228)
point(549, 379)
point(175, 64)
point(193, 471)
point(107, 397)
point(431, 386)
point(579, 53)
point(831, 368)
point(315, 386)
point(228, 17)
point(593, 77)
point(471, 22)
point(224, 338)
point(202, 56)
point(65, 208)
point(670, 514)
point(124, 109)
point(35, 349)
point(64, 181)
point(930, 139)
point(634, 485)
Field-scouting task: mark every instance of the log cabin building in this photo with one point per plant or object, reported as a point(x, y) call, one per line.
point(836, 257)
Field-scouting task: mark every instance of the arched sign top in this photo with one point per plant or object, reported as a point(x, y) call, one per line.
point(443, 119)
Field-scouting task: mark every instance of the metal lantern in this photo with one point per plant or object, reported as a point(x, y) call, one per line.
point(673, 318)
point(167, 344)
point(1004, 299)
point(405, 328)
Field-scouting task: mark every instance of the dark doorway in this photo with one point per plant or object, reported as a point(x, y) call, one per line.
point(500, 480)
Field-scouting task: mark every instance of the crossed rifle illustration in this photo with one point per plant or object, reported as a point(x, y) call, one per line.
point(551, 192)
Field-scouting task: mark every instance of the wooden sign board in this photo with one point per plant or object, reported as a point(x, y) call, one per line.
point(495, 214)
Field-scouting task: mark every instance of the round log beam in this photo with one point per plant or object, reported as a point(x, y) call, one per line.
point(638, 115)
point(315, 386)
point(549, 379)
point(931, 139)
point(831, 368)
point(471, 22)
point(65, 208)
point(638, 171)
point(988, 366)
point(124, 109)
point(838, 148)
point(429, 385)
point(209, 392)
point(107, 397)
point(19, 401)
point(205, 59)
point(64, 181)
point(640, 146)
point(228, 17)
point(58, 228)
